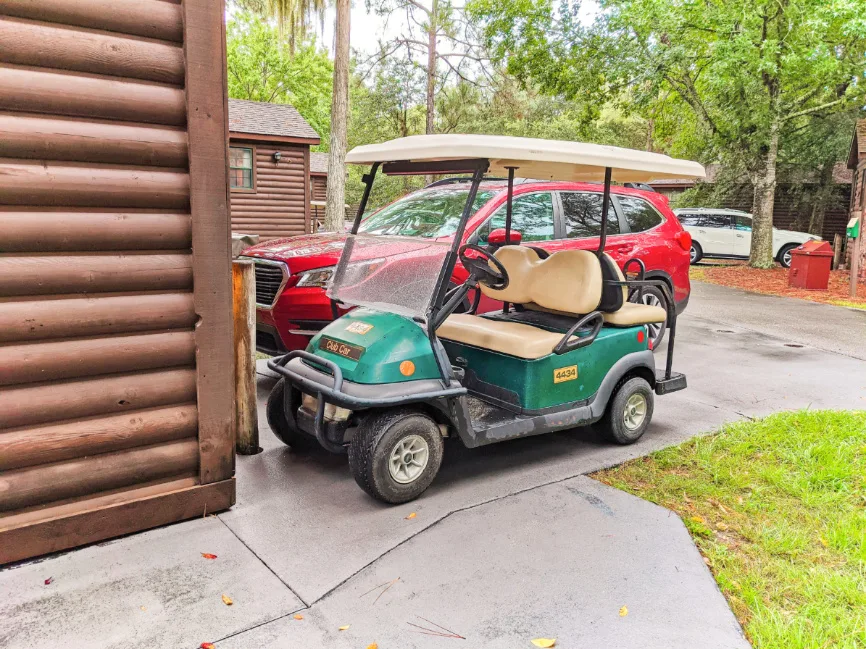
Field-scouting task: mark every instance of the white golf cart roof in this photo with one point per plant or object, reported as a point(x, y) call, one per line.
point(533, 158)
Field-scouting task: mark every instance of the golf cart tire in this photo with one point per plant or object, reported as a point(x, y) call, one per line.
point(699, 253)
point(371, 447)
point(781, 256)
point(282, 425)
point(613, 423)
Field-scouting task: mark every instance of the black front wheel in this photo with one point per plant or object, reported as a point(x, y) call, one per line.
point(395, 455)
point(282, 425)
point(629, 412)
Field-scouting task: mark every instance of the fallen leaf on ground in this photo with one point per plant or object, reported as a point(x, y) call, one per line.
point(227, 600)
point(722, 526)
point(344, 628)
point(623, 611)
point(208, 555)
point(824, 542)
point(411, 516)
point(298, 616)
point(49, 581)
point(699, 519)
point(546, 643)
point(206, 645)
point(373, 646)
point(143, 608)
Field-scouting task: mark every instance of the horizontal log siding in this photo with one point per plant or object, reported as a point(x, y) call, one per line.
point(280, 204)
point(318, 187)
point(98, 336)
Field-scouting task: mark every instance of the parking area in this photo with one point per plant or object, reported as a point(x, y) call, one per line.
point(303, 537)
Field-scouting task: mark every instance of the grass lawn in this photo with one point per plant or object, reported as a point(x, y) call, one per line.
point(777, 507)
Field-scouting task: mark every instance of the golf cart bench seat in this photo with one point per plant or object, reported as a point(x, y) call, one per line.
point(512, 338)
point(567, 283)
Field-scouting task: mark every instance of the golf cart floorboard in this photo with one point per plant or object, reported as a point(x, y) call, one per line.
point(486, 415)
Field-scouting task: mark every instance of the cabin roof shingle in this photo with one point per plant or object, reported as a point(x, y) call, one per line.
point(259, 118)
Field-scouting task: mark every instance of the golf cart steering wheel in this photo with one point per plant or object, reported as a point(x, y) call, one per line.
point(479, 267)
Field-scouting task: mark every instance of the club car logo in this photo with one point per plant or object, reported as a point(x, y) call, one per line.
point(343, 349)
point(565, 374)
point(359, 328)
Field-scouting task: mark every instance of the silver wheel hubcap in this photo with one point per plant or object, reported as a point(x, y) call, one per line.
point(693, 253)
point(652, 300)
point(787, 257)
point(635, 411)
point(408, 459)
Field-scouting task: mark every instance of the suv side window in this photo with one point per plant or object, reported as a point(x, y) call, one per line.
point(716, 221)
point(531, 215)
point(639, 214)
point(689, 219)
point(743, 223)
point(582, 213)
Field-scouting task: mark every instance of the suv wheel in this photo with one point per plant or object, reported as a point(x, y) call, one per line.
point(652, 297)
point(695, 253)
point(785, 255)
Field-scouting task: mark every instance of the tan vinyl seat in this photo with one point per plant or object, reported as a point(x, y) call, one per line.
point(631, 314)
point(512, 338)
point(567, 282)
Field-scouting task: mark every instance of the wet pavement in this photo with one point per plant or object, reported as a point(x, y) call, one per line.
point(509, 544)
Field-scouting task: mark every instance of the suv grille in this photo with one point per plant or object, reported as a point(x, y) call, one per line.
point(269, 279)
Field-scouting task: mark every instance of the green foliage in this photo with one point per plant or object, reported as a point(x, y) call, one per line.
point(262, 67)
point(777, 508)
point(737, 67)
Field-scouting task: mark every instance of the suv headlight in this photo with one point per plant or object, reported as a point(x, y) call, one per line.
point(318, 277)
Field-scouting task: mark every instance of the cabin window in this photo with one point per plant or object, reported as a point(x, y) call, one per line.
point(241, 167)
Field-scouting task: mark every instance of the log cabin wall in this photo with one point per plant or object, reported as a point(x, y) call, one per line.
point(278, 204)
point(319, 187)
point(116, 379)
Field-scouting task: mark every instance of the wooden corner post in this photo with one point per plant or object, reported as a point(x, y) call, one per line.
point(207, 125)
point(246, 410)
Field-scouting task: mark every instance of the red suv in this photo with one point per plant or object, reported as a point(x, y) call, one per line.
point(292, 273)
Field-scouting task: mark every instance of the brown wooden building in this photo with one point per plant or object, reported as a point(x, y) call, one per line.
point(269, 169)
point(790, 211)
point(116, 363)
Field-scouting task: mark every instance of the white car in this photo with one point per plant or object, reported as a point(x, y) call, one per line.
point(727, 234)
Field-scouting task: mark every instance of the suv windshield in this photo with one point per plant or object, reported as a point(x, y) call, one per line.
point(430, 213)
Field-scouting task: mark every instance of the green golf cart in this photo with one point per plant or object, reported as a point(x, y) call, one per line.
point(414, 363)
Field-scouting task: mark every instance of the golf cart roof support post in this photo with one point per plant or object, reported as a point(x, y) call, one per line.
point(508, 205)
point(367, 179)
point(605, 203)
point(480, 168)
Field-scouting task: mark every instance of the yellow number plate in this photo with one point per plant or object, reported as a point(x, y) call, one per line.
point(565, 374)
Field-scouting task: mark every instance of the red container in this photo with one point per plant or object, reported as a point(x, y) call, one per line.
point(810, 266)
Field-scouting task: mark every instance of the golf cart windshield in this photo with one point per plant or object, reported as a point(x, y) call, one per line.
point(388, 273)
point(430, 213)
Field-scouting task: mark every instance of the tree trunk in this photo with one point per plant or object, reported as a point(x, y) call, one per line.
point(431, 73)
point(431, 64)
point(821, 198)
point(761, 254)
point(335, 207)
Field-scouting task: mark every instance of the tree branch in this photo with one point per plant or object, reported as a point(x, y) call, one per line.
point(814, 109)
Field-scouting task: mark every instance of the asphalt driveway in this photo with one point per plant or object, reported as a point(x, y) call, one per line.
point(510, 543)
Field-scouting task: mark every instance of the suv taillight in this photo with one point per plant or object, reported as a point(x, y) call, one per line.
point(684, 239)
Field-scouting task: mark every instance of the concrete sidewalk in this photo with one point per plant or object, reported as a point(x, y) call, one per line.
point(508, 545)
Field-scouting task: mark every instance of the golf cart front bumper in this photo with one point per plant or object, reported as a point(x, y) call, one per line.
point(329, 387)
